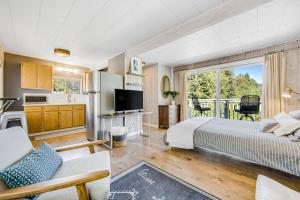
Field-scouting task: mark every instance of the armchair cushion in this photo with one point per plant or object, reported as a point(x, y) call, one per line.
point(38, 166)
point(268, 189)
point(14, 145)
point(10, 139)
point(98, 190)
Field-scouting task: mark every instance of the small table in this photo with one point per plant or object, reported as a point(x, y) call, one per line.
point(122, 115)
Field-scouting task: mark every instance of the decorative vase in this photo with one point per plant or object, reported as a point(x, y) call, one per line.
point(173, 102)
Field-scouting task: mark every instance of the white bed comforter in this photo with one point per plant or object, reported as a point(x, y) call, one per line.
point(181, 135)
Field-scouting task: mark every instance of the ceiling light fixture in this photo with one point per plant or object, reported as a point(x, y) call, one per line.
point(62, 52)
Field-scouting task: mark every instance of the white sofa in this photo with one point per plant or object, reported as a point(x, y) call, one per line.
point(268, 189)
point(15, 144)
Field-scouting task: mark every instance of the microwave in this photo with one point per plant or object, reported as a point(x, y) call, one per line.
point(35, 99)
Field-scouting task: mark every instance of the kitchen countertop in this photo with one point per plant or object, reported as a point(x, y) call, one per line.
point(52, 104)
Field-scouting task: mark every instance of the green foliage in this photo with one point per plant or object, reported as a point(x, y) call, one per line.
point(227, 85)
point(173, 94)
point(203, 85)
point(245, 85)
point(59, 85)
point(66, 86)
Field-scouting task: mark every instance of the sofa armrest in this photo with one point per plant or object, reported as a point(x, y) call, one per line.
point(90, 145)
point(79, 181)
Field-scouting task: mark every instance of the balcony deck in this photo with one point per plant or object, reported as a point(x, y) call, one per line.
point(227, 107)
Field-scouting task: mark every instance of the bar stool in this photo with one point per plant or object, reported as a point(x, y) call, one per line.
point(15, 118)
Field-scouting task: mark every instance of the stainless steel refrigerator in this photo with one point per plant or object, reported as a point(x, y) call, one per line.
point(101, 90)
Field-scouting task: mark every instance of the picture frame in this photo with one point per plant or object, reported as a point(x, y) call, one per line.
point(136, 65)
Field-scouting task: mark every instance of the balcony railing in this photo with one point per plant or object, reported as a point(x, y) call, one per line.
point(227, 107)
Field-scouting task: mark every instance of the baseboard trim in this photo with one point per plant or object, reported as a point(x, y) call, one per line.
point(151, 125)
point(50, 134)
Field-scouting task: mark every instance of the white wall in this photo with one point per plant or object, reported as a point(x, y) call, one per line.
point(116, 65)
point(1, 72)
point(292, 79)
point(152, 93)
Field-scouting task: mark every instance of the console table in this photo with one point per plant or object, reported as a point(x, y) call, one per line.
point(103, 118)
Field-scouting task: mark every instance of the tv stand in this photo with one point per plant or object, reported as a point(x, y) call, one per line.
point(103, 118)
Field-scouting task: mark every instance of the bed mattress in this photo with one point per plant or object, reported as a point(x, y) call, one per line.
point(244, 139)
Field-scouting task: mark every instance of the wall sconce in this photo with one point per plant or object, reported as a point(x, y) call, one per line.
point(288, 93)
point(61, 69)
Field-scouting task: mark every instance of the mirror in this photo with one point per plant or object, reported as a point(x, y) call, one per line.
point(165, 86)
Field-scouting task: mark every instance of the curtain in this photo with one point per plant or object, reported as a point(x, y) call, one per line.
point(274, 83)
point(182, 84)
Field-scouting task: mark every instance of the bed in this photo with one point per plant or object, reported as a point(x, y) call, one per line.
point(241, 139)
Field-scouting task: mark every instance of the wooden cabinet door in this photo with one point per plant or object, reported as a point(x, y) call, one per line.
point(65, 119)
point(163, 112)
point(29, 75)
point(50, 120)
point(78, 118)
point(34, 121)
point(44, 77)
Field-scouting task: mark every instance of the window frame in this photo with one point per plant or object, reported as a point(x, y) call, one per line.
point(218, 69)
point(68, 79)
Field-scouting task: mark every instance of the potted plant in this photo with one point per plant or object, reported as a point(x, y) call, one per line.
point(173, 94)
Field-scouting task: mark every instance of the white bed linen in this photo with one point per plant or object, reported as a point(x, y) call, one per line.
point(181, 135)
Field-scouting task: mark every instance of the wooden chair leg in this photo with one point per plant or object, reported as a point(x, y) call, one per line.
point(82, 192)
point(92, 149)
point(171, 148)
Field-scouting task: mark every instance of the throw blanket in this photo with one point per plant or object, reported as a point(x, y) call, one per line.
point(244, 140)
point(181, 135)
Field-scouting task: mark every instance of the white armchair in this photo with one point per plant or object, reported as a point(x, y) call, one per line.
point(268, 189)
point(84, 178)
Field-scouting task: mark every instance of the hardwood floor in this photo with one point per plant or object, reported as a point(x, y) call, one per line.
point(219, 175)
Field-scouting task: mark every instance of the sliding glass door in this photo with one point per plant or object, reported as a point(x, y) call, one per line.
point(202, 90)
point(218, 91)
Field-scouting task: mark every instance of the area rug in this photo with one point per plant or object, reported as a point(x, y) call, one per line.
point(145, 181)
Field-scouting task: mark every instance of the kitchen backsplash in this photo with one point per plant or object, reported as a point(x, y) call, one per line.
point(62, 98)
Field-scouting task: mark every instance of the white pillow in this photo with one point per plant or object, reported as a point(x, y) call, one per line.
point(287, 124)
point(268, 125)
point(295, 114)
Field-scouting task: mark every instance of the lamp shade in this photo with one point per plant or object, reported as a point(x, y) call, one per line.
point(287, 93)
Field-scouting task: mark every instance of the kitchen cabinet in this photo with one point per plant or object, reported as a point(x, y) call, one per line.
point(54, 117)
point(78, 118)
point(50, 120)
point(65, 119)
point(29, 75)
point(44, 77)
point(36, 76)
point(34, 121)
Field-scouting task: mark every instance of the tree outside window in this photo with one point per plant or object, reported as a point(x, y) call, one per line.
point(64, 86)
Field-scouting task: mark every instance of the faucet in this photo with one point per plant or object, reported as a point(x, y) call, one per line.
point(69, 92)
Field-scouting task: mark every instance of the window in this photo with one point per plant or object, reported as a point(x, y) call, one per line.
point(65, 85)
point(218, 89)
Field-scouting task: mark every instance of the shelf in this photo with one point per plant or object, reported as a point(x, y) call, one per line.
point(135, 74)
point(134, 84)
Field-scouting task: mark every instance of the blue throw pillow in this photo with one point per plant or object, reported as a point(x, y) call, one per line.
point(38, 166)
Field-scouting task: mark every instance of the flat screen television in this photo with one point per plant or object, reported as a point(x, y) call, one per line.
point(128, 100)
